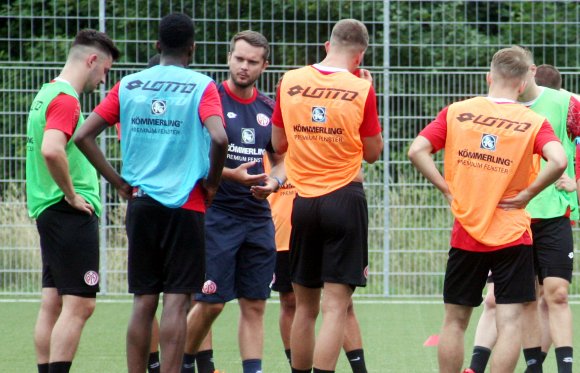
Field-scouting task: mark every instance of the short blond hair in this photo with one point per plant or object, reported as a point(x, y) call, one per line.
point(350, 33)
point(511, 63)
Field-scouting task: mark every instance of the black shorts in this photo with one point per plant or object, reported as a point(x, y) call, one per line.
point(69, 245)
point(329, 239)
point(553, 248)
point(240, 258)
point(282, 280)
point(467, 272)
point(166, 248)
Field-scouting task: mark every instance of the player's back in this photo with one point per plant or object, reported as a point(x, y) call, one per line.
point(164, 144)
point(488, 156)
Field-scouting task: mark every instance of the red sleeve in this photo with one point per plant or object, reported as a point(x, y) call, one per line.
point(109, 109)
point(544, 136)
point(436, 131)
point(277, 114)
point(211, 104)
point(577, 162)
point(573, 121)
point(370, 125)
point(63, 114)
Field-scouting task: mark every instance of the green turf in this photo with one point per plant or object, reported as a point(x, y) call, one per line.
point(393, 337)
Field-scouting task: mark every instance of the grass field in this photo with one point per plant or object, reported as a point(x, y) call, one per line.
point(393, 334)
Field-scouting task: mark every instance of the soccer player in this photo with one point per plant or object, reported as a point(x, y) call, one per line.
point(173, 148)
point(281, 205)
point(153, 365)
point(552, 211)
point(62, 190)
point(239, 232)
point(488, 168)
point(326, 120)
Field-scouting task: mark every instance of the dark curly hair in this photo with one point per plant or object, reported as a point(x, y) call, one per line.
point(97, 39)
point(176, 33)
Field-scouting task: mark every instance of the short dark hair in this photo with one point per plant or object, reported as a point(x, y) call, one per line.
point(548, 76)
point(255, 39)
point(96, 39)
point(176, 33)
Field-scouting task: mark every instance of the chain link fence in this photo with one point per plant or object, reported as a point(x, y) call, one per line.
point(423, 55)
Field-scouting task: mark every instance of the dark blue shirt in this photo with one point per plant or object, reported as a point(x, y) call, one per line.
point(249, 130)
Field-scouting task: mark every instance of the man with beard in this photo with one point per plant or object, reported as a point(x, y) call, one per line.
point(240, 247)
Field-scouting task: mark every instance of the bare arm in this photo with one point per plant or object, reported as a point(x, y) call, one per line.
point(556, 164)
point(217, 154)
point(279, 140)
point(420, 156)
point(54, 153)
point(86, 141)
point(372, 147)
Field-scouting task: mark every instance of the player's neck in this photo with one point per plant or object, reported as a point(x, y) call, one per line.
point(245, 93)
point(340, 61)
point(169, 60)
point(502, 92)
point(74, 76)
point(531, 93)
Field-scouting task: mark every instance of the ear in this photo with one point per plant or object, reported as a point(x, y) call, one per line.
point(158, 46)
point(359, 58)
point(326, 46)
point(488, 78)
point(266, 64)
point(533, 69)
point(92, 59)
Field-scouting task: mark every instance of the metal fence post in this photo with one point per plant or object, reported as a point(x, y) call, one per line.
point(386, 77)
point(105, 210)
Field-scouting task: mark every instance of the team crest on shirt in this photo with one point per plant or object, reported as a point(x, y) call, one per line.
point(91, 278)
point(231, 114)
point(158, 107)
point(488, 142)
point(319, 114)
point(262, 119)
point(248, 136)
